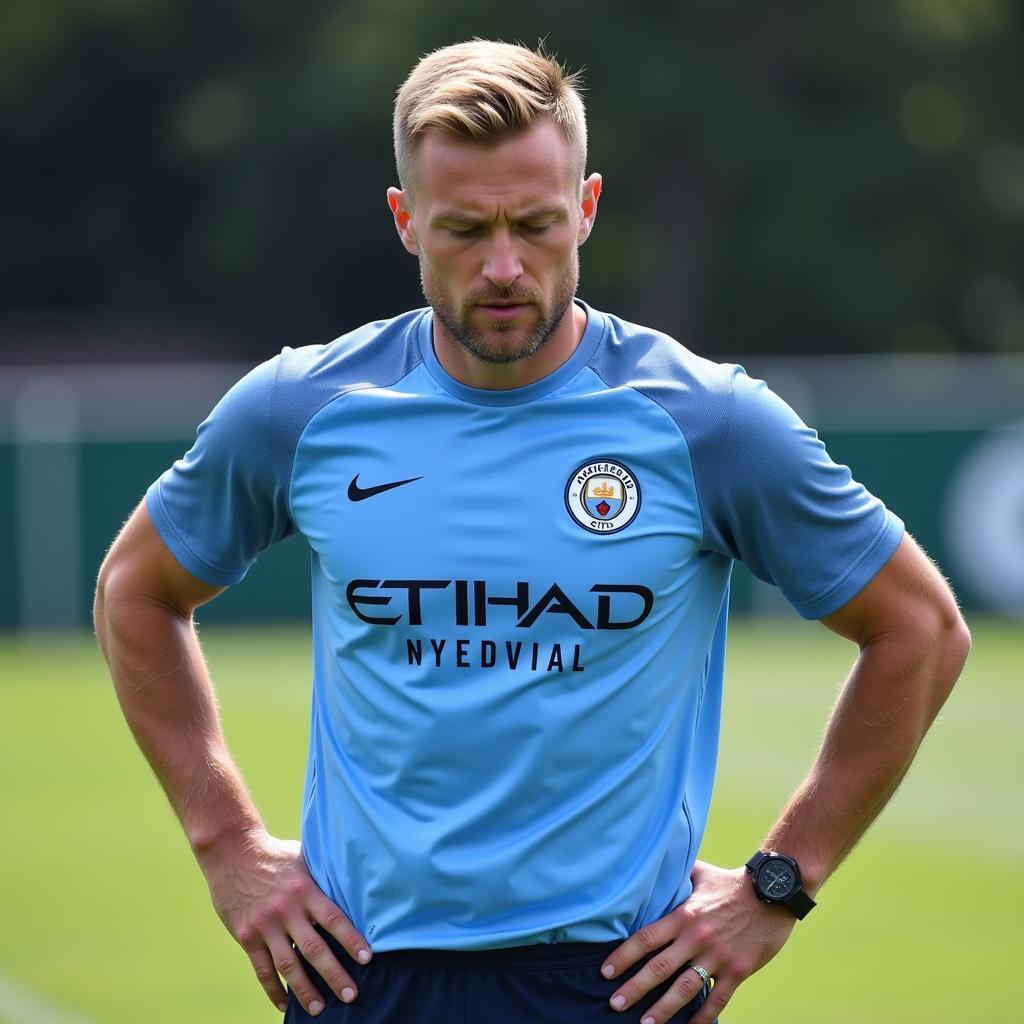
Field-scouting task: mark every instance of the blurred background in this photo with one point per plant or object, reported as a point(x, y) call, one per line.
point(830, 193)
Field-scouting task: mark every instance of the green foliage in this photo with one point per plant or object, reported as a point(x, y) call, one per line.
point(780, 177)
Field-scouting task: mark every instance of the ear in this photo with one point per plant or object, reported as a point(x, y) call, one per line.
point(590, 192)
point(401, 210)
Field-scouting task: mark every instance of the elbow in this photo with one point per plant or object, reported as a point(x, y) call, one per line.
point(99, 600)
point(958, 639)
point(117, 595)
point(950, 632)
point(102, 599)
point(948, 644)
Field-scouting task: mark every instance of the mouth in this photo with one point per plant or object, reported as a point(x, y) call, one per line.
point(503, 310)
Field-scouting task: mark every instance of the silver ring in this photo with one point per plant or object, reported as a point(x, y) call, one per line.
point(704, 976)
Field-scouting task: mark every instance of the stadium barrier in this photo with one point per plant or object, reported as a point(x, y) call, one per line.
point(939, 438)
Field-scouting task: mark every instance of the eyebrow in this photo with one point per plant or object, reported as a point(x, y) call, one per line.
point(545, 211)
point(539, 213)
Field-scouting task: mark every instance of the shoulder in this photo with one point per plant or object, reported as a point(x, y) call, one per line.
point(227, 499)
point(283, 394)
point(707, 399)
point(265, 412)
point(374, 355)
point(698, 393)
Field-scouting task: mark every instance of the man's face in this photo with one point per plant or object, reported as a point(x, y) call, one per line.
point(496, 229)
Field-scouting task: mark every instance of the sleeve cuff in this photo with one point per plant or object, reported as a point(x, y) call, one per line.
point(881, 549)
point(203, 570)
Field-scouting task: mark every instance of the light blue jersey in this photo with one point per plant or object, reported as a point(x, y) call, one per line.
point(519, 611)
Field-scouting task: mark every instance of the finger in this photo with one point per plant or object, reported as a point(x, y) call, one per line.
point(657, 971)
point(319, 955)
point(267, 976)
point(684, 989)
point(721, 992)
point(331, 917)
point(286, 961)
point(647, 940)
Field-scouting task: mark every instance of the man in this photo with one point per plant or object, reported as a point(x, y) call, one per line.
point(523, 515)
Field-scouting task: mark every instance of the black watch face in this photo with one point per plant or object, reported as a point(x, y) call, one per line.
point(776, 879)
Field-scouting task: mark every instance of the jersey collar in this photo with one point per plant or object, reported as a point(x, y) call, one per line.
point(512, 396)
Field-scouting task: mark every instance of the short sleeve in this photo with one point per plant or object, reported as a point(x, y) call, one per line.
point(774, 499)
point(227, 499)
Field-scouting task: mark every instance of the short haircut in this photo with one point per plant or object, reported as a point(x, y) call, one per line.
point(482, 91)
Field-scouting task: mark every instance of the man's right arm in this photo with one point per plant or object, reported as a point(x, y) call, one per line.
point(260, 885)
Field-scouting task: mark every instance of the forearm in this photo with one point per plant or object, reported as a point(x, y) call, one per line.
point(893, 694)
point(164, 690)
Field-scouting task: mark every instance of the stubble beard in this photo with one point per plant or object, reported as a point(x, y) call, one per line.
point(456, 321)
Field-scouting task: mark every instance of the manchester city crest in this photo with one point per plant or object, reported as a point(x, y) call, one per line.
point(603, 496)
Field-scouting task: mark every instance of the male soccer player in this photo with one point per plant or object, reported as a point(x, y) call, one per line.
point(522, 514)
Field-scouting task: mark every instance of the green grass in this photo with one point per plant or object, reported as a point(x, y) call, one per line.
point(105, 912)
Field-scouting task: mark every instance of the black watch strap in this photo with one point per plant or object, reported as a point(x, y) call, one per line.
point(755, 862)
point(798, 902)
point(801, 904)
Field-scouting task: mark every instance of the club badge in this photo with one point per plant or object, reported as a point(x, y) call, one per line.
point(603, 496)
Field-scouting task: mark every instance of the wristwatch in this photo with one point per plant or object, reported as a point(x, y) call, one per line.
point(776, 879)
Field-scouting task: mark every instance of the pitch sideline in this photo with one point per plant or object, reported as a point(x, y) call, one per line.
point(21, 1005)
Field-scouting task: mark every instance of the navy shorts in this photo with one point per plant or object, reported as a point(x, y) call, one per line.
point(538, 984)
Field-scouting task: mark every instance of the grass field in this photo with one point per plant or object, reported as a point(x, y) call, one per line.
point(106, 918)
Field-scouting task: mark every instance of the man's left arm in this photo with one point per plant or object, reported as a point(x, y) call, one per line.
point(913, 643)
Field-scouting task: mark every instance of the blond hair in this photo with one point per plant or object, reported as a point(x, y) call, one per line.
point(483, 90)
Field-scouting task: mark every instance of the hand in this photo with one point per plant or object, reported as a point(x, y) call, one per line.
point(722, 927)
point(267, 900)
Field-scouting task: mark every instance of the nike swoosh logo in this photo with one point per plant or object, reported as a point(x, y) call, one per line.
point(357, 493)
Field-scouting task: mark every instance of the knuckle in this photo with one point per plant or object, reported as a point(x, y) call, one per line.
point(683, 984)
point(740, 967)
point(720, 953)
point(702, 932)
point(265, 973)
point(285, 963)
point(246, 934)
point(278, 906)
point(336, 978)
point(299, 886)
point(661, 967)
point(258, 921)
point(648, 937)
point(311, 948)
point(683, 915)
point(333, 919)
point(718, 998)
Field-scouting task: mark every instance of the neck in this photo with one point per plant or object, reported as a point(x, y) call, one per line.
point(467, 369)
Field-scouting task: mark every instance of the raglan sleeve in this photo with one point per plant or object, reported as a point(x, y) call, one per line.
point(775, 500)
point(226, 499)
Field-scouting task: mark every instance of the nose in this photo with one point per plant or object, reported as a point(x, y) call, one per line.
point(502, 266)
